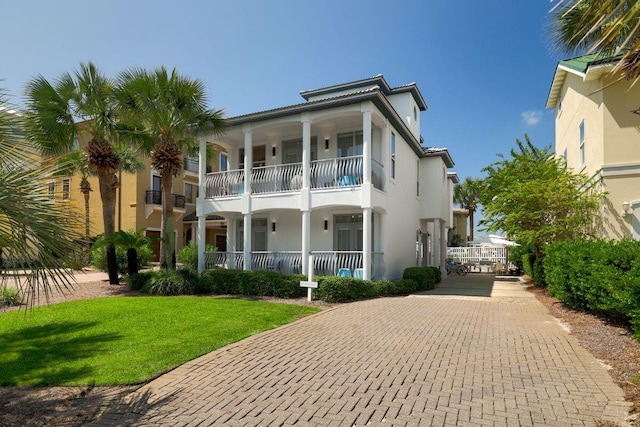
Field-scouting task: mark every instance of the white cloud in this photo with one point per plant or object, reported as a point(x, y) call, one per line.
point(531, 117)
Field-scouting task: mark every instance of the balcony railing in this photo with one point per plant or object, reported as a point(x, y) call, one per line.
point(154, 197)
point(329, 173)
point(325, 263)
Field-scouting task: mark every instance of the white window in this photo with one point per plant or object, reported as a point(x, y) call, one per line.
point(75, 146)
point(66, 188)
point(581, 143)
point(393, 155)
point(259, 234)
point(224, 162)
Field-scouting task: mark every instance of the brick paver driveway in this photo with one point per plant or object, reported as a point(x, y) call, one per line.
point(472, 352)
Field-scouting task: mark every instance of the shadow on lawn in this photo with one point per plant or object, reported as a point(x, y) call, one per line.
point(36, 355)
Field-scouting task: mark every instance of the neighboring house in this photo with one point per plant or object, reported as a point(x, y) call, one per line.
point(138, 202)
point(342, 176)
point(598, 133)
point(460, 226)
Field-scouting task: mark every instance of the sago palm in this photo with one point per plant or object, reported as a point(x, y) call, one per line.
point(166, 112)
point(57, 112)
point(131, 241)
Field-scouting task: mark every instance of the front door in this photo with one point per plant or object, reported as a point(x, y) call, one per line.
point(155, 244)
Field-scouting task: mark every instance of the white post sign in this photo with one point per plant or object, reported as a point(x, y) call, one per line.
point(309, 283)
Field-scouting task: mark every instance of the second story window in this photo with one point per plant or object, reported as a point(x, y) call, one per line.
point(581, 143)
point(393, 155)
point(224, 162)
point(51, 190)
point(66, 188)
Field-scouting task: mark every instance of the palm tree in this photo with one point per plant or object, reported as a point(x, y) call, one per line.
point(607, 27)
point(56, 113)
point(76, 162)
point(166, 112)
point(466, 195)
point(34, 230)
point(131, 241)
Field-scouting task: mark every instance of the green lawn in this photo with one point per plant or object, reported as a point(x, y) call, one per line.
point(125, 340)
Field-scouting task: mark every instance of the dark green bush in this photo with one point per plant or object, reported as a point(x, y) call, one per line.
point(99, 256)
point(342, 289)
point(538, 272)
point(258, 283)
point(528, 260)
point(138, 281)
point(596, 275)
point(425, 277)
point(172, 282)
point(406, 286)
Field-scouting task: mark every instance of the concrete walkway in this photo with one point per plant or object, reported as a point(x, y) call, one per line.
point(473, 352)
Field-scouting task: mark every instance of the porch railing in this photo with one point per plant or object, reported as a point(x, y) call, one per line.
point(328, 173)
point(326, 263)
point(224, 184)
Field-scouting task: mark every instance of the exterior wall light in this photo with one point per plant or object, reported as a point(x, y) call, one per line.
point(273, 226)
point(326, 144)
point(625, 209)
point(326, 225)
point(273, 151)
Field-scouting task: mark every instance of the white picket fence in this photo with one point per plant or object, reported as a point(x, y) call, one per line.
point(478, 254)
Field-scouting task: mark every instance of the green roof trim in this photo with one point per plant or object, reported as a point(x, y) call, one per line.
point(582, 63)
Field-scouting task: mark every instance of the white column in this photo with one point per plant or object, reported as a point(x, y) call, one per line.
point(246, 196)
point(443, 249)
point(202, 217)
point(306, 240)
point(366, 143)
point(247, 242)
point(305, 192)
point(366, 243)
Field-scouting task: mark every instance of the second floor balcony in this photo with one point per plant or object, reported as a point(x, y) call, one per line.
point(154, 197)
point(324, 174)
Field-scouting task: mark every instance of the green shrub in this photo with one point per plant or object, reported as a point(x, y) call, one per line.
point(538, 272)
point(425, 277)
point(528, 260)
point(597, 276)
point(99, 256)
point(343, 289)
point(188, 255)
point(137, 282)
point(406, 286)
point(9, 296)
point(257, 283)
point(172, 282)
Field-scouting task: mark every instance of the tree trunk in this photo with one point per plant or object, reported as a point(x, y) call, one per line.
point(471, 222)
point(167, 244)
point(108, 184)
point(132, 261)
point(85, 187)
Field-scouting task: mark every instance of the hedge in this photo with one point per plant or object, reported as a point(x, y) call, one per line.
point(331, 289)
point(597, 276)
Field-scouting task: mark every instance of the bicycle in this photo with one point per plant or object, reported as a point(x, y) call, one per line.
point(460, 269)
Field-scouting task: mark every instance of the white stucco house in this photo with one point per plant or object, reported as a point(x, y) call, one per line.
point(343, 177)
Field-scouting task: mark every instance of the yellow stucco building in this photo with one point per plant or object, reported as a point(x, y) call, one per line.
point(598, 133)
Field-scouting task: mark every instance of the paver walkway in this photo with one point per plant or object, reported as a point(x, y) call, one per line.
point(472, 352)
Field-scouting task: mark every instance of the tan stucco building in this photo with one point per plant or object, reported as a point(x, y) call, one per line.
point(598, 133)
point(138, 202)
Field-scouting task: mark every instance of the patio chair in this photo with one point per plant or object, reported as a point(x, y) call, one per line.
point(358, 273)
point(499, 268)
point(344, 272)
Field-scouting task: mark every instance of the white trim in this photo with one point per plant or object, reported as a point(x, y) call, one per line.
point(621, 169)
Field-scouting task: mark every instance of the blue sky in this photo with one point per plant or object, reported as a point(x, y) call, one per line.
point(484, 68)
